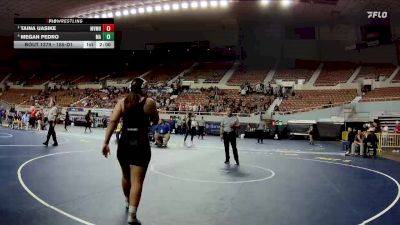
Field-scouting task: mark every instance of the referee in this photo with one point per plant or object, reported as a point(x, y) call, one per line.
point(228, 126)
point(52, 116)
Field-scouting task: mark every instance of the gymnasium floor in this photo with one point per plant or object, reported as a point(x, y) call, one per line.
point(278, 182)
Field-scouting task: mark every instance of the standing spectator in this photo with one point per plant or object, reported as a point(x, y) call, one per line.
point(66, 121)
point(32, 119)
point(118, 130)
point(1, 115)
point(178, 125)
point(311, 134)
point(25, 120)
point(350, 138)
point(228, 134)
point(397, 128)
point(171, 123)
point(89, 121)
point(104, 121)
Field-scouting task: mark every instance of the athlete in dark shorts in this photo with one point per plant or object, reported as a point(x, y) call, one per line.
point(189, 129)
point(89, 121)
point(133, 151)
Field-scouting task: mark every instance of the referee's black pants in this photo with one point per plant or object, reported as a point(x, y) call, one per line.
point(260, 136)
point(201, 132)
point(51, 133)
point(230, 137)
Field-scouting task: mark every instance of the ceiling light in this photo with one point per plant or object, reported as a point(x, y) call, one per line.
point(286, 3)
point(166, 7)
point(118, 13)
point(149, 9)
point(158, 8)
point(141, 10)
point(214, 3)
point(184, 5)
point(194, 5)
point(104, 15)
point(264, 2)
point(96, 16)
point(110, 15)
point(133, 11)
point(175, 6)
point(125, 12)
point(203, 4)
point(223, 3)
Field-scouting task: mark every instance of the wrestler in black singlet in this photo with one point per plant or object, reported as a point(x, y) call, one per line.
point(190, 129)
point(134, 145)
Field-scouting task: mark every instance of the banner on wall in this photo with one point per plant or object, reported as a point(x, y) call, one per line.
point(102, 111)
point(75, 109)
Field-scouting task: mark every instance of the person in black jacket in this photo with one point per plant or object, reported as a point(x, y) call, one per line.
point(372, 140)
point(311, 134)
point(66, 121)
point(89, 121)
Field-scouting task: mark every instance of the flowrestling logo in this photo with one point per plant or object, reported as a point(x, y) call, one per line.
point(377, 14)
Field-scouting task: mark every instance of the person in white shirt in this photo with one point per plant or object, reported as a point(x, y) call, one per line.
point(201, 124)
point(25, 120)
point(52, 116)
point(228, 134)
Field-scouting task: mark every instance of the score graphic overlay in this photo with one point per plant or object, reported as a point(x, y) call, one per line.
point(68, 33)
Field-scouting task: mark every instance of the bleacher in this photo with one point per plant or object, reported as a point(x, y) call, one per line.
point(382, 94)
point(41, 78)
point(293, 74)
point(20, 78)
point(243, 74)
point(18, 96)
point(225, 98)
point(334, 73)
point(302, 69)
point(166, 72)
point(3, 75)
point(396, 79)
point(68, 77)
point(123, 76)
point(309, 99)
point(99, 99)
point(374, 71)
point(211, 72)
point(68, 97)
point(92, 77)
point(64, 98)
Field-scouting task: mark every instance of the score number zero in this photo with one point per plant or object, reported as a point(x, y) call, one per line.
point(108, 32)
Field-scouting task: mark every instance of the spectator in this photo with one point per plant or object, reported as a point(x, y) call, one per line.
point(162, 135)
point(25, 120)
point(397, 128)
point(358, 142)
point(372, 141)
point(350, 139)
point(118, 130)
point(104, 121)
